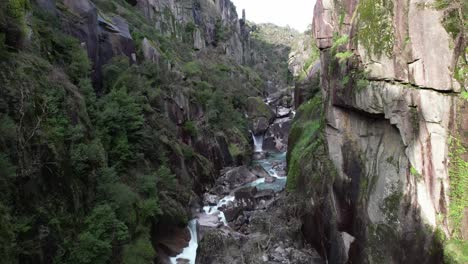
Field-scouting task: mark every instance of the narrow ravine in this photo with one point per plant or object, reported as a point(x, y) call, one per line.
point(265, 179)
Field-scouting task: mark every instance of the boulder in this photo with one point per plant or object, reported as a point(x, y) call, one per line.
point(237, 177)
point(232, 211)
point(276, 137)
point(245, 194)
point(172, 240)
point(260, 114)
point(270, 179)
point(264, 195)
point(210, 199)
point(259, 171)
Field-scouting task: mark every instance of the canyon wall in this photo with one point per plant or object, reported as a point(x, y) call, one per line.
point(114, 117)
point(393, 87)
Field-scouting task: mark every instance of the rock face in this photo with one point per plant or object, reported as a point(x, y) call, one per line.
point(207, 20)
point(104, 37)
point(387, 135)
point(260, 114)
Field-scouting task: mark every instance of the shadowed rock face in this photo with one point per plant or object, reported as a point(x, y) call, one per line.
point(389, 142)
point(103, 38)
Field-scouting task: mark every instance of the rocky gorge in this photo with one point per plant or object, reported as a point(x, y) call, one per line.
point(178, 132)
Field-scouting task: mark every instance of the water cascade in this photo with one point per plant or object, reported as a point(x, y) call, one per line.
point(258, 142)
point(190, 252)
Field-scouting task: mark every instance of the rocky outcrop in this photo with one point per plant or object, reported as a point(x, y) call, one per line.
point(391, 112)
point(260, 115)
point(202, 23)
point(270, 237)
point(104, 37)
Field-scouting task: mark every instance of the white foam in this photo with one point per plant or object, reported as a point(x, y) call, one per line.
point(190, 252)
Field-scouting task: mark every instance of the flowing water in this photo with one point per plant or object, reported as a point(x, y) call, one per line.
point(258, 142)
point(190, 252)
point(273, 163)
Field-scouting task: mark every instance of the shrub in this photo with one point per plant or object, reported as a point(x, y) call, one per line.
point(94, 244)
point(375, 28)
point(139, 251)
point(190, 128)
point(191, 68)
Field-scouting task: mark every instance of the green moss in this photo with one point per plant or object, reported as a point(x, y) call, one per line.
point(258, 108)
point(464, 95)
point(192, 68)
point(343, 56)
point(12, 21)
point(190, 128)
point(375, 28)
point(456, 252)
point(458, 173)
point(235, 150)
point(391, 205)
point(304, 138)
point(415, 173)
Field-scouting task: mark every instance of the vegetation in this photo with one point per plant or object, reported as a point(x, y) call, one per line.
point(88, 168)
point(375, 28)
point(458, 184)
point(304, 137)
point(455, 16)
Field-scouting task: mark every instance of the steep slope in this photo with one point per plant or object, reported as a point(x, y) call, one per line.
point(114, 117)
point(384, 165)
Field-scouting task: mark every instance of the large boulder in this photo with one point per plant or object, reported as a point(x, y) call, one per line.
point(260, 115)
point(236, 177)
point(172, 240)
point(276, 137)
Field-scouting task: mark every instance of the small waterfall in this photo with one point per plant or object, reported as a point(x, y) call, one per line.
point(190, 252)
point(258, 142)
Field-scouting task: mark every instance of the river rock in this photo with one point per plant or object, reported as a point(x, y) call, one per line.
point(259, 155)
point(276, 137)
point(270, 179)
point(173, 240)
point(259, 171)
point(264, 195)
point(210, 199)
point(182, 261)
point(232, 211)
point(238, 176)
point(245, 194)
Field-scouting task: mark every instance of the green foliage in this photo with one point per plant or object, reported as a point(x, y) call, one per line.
point(304, 138)
point(464, 95)
point(235, 150)
point(343, 56)
point(13, 22)
point(190, 128)
point(221, 112)
point(455, 15)
point(221, 31)
point(166, 180)
point(139, 251)
point(85, 157)
point(7, 235)
point(339, 41)
point(415, 173)
point(190, 27)
point(456, 251)
point(120, 122)
point(94, 244)
point(458, 173)
point(191, 68)
point(375, 28)
point(391, 205)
